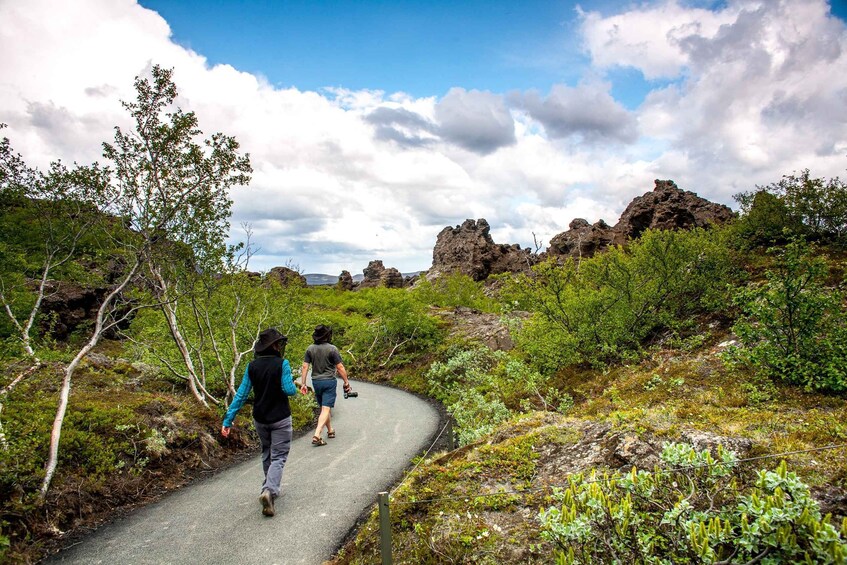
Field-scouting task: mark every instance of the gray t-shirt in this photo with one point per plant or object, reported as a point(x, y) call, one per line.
point(323, 357)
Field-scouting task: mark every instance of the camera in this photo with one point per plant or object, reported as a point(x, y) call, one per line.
point(350, 394)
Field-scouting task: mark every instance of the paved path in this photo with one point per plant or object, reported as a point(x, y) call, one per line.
point(324, 490)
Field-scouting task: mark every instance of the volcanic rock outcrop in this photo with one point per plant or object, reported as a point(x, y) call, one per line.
point(286, 276)
point(391, 278)
point(469, 249)
point(582, 239)
point(345, 281)
point(377, 275)
point(66, 306)
point(667, 207)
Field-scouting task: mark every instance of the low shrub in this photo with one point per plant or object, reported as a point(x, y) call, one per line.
point(604, 308)
point(792, 327)
point(451, 291)
point(691, 509)
point(482, 388)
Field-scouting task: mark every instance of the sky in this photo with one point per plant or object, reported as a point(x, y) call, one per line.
point(373, 125)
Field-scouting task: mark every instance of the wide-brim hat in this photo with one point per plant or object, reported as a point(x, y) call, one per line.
point(322, 334)
point(267, 338)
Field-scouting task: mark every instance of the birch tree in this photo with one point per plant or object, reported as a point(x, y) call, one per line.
point(171, 191)
point(176, 193)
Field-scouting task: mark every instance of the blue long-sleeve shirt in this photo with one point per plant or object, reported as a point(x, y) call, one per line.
point(246, 386)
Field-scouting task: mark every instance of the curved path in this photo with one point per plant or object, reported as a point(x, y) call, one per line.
point(324, 490)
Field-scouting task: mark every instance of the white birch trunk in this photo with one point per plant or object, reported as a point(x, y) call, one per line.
point(64, 396)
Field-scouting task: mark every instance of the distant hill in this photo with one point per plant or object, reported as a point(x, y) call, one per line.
point(319, 279)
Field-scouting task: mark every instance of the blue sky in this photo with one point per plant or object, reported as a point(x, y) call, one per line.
point(371, 126)
point(422, 48)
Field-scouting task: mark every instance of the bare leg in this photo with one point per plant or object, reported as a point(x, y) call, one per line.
point(323, 420)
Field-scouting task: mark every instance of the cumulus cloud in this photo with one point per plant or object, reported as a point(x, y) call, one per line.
point(477, 121)
point(588, 112)
point(760, 90)
point(649, 38)
point(401, 126)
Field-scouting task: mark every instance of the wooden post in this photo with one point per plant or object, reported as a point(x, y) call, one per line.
point(451, 437)
point(384, 529)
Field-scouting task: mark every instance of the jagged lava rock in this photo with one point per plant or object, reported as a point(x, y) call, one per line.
point(345, 281)
point(469, 249)
point(286, 276)
point(582, 239)
point(66, 306)
point(373, 274)
point(391, 278)
point(669, 208)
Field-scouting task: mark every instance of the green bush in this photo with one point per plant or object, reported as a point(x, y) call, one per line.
point(604, 308)
point(482, 388)
point(798, 205)
point(765, 220)
point(477, 415)
point(692, 509)
point(396, 327)
point(454, 290)
point(792, 327)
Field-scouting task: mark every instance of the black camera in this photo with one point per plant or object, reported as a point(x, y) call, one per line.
point(350, 394)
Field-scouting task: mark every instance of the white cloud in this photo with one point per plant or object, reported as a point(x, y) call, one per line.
point(587, 112)
point(477, 121)
point(648, 38)
point(343, 177)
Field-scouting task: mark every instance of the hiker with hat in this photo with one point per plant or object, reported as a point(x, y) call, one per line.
point(270, 375)
point(326, 365)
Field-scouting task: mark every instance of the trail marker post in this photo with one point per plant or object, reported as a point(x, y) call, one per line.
point(384, 529)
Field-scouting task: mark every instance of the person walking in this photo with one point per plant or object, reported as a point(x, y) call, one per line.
point(326, 364)
point(270, 375)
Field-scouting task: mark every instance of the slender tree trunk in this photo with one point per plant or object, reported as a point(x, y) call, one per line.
point(64, 397)
point(106, 308)
point(193, 381)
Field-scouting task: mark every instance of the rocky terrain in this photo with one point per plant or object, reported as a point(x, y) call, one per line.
point(469, 248)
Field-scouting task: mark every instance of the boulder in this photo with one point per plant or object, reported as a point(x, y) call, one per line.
point(286, 276)
point(345, 281)
point(470, 250)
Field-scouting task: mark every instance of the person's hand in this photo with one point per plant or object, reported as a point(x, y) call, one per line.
point(346, 387)
point(304, 389)
point(224, 431)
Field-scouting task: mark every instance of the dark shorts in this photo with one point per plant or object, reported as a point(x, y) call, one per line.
point(325, 391)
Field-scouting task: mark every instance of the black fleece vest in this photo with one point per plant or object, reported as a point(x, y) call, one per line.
point(270, 404)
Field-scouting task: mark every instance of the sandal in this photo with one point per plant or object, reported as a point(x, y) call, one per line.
point(331, 434)
point(318, 441)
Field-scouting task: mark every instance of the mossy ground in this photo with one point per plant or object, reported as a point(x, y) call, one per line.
point(449, 512)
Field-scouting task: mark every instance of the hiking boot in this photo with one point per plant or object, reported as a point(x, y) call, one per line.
point(267, 501)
